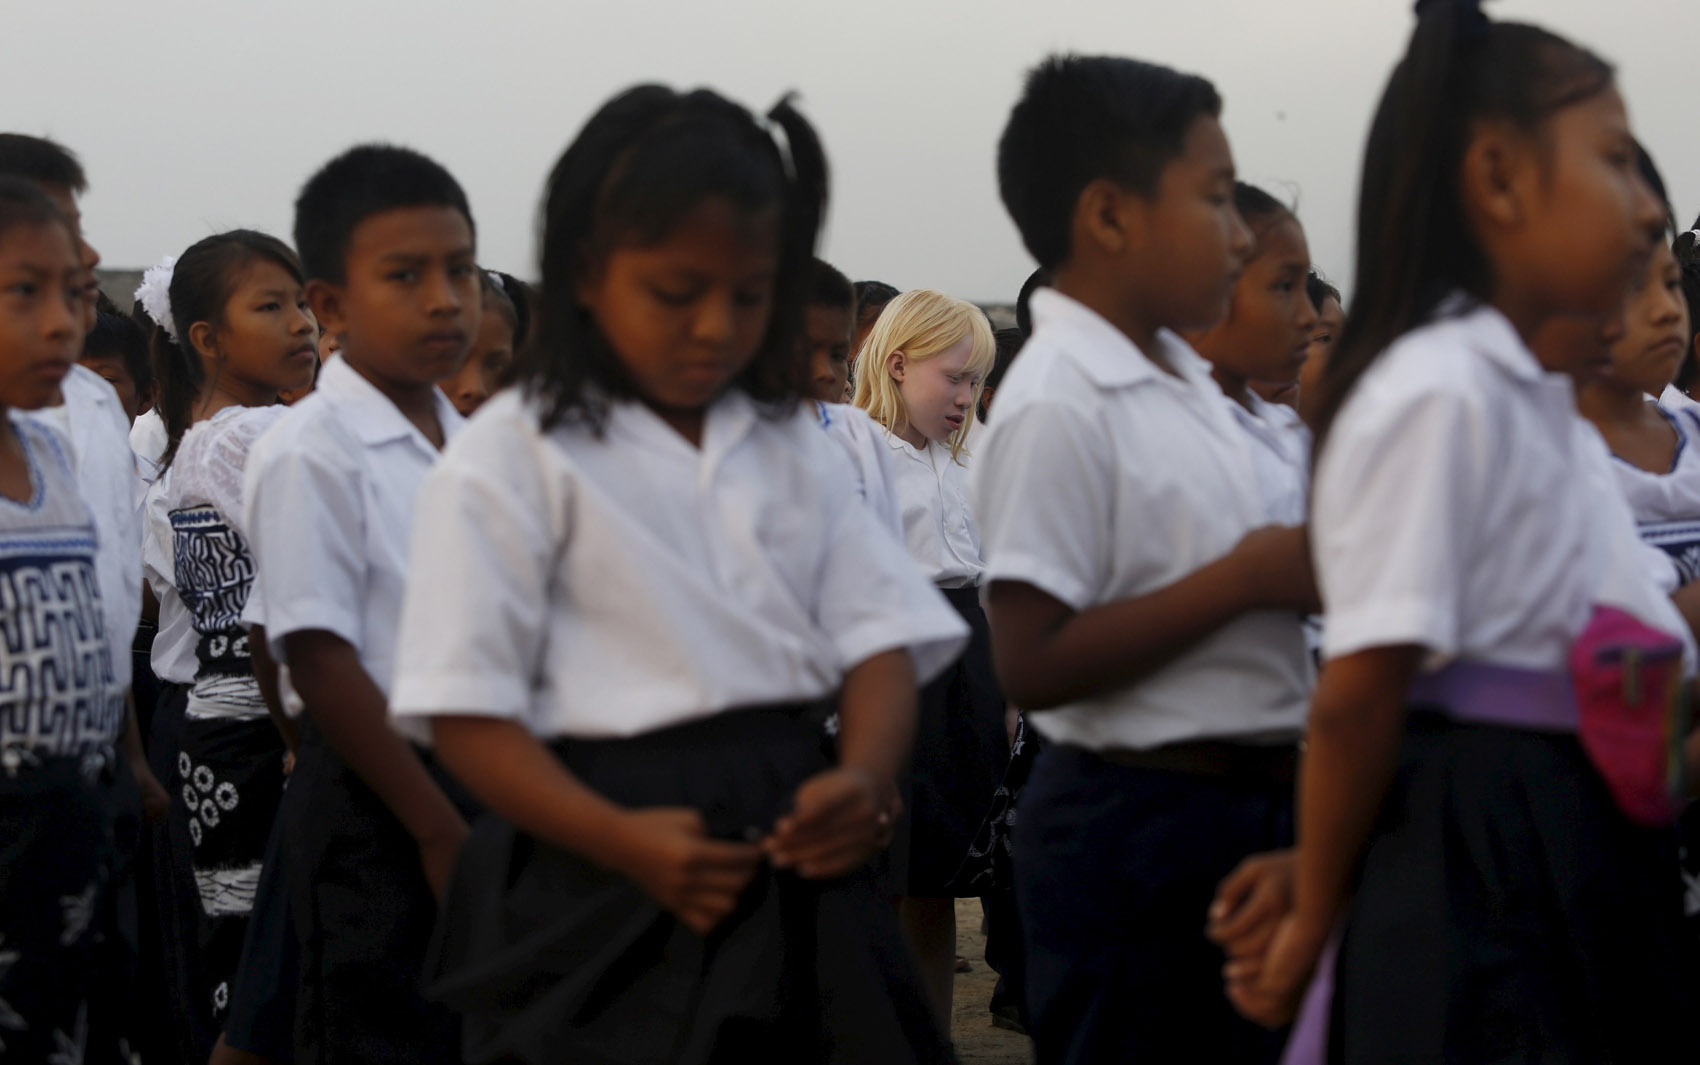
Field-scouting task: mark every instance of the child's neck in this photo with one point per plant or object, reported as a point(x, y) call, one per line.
point(911, 436)
point(417, 402)
point(226, 394)
point(1089, 290)
point(14, 464)
point(1615, 404)
point(1235, 386)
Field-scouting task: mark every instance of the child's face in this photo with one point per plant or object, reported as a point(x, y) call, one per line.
point(269, 339)
point(1655, 337)
point(938, 393)
point(1581, 222)
point(478, 377)
point(1330, 319)
point(1269, 326)
point(1189, 241)
point(408, 308)
point(686, 314)
point(827, 332)
point(113, 371)
point(42, 293)
point(66, 201)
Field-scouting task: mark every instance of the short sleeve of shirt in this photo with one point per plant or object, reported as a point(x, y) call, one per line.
point(1395, 493)
point(872, 598)
point(475, 618)
point(304, 522)
point(1042, 491)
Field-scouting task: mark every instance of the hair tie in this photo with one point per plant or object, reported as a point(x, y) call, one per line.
point(1472, 20)
point(154, 294)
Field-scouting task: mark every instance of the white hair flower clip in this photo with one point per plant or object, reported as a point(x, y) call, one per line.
point(154, 294)
point(495, 278)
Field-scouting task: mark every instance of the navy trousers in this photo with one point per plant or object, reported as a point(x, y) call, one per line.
point(1115, 869)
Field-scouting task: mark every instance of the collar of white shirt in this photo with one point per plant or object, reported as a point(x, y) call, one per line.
point(1490, 334)
point(1107, 357)
point(726, 422)
point(374, 418)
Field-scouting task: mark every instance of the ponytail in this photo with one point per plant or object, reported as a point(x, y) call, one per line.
point(1414, 245)
point(179, 375)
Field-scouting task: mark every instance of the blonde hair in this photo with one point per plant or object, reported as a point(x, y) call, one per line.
point(920, 324)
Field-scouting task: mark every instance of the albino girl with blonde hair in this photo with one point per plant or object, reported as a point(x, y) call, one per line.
point(919, 376)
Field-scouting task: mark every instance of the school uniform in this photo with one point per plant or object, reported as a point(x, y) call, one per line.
point(961, 745)
point(863, 443)
point(1666, 509)
point(1106, 477)
point(668, 619)
point(229, 754)
point(92, 422)
point(1506, 909)
point(1674, 399)
point(61, 709)
point(329, 496)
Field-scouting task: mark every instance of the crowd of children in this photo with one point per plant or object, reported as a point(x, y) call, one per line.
point(400, 662)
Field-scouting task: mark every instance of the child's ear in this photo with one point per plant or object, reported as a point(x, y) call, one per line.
point(326, 302)
point(1102, 217)
point(894, 365)
point(201, 341)
point(1494, 180)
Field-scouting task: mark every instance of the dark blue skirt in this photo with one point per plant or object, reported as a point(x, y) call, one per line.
point(1508, 912)
point(550, 958)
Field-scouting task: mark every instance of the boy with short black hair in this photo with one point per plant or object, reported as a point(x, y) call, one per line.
point(1141, 617)
point(117, 351)
point(371, 825)
point(828, 327)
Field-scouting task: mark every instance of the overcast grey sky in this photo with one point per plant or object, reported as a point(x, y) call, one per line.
point(197, 115)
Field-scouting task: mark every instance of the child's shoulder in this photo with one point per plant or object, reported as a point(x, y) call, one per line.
point(43, 442)
point(1458, 359)
point(311, 428)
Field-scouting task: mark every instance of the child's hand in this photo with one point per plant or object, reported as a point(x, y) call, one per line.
point(697, 879)
point(156, 801)
point(1268, 990)
point(1249, 903)
point(437, 856)
point(1276, 568)
point(838, 821)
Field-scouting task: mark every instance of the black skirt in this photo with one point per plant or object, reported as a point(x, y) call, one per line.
point(1508, 912)
point(961, 754)
point(550, 958)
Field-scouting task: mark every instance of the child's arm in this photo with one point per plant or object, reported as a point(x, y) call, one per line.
point(662, 849)
point(1048, 654)
point(348, 707)
point(839, 816)
point(155, 801)
point(1357, 719)
point(265, 675)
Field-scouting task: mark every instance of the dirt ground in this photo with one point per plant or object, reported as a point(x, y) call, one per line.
point(977, 1042)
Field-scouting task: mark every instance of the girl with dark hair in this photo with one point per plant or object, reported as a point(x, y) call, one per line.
point(636, 597)
point(1500, 890)
point(1264, 339)
point(234, 332)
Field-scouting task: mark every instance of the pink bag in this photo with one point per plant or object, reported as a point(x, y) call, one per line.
point(1633, 712)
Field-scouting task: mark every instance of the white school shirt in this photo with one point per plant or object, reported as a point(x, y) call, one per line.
point(1667, 505)
point(938, 525)
point(610, 587)
point(92, 420)
point(1446, 507)
point(173, 655)
point(863, 443)
point(1635, 577)
point(1106, 478)
point(1280, 453)
point(329, 500)
point(148, 440)
point(60, 696)
point(1673, 399)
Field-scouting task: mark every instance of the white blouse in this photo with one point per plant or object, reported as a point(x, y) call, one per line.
point(938, 525)
point(609, 587)
point(863, 443)
point(1447, 511)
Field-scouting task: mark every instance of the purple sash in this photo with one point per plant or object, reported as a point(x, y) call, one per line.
point(1477, 692)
